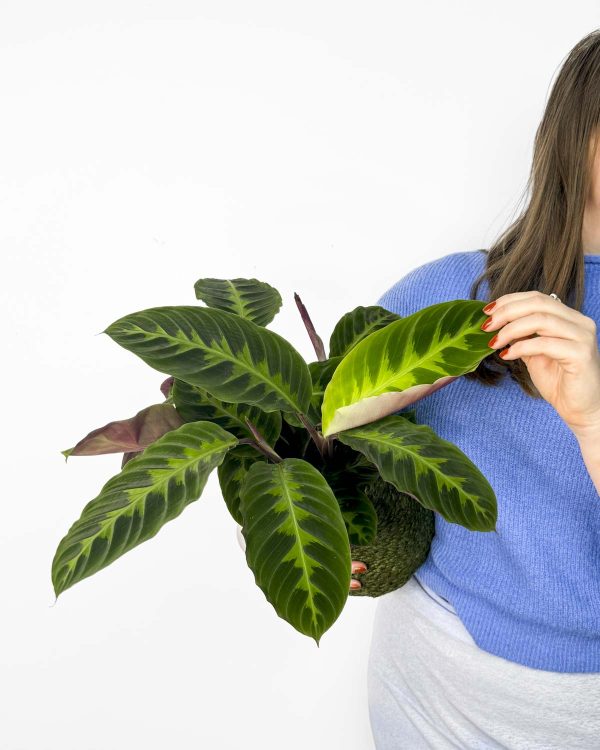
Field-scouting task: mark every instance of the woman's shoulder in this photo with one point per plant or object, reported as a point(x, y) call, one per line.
point(442, 279)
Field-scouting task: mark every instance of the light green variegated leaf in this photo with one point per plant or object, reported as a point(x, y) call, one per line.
point(232, 358)
point(436, 472)
point(232, 472)
point(404, 362)
point(194, 404)
point(321, 373)
point(296, 543)
point(356, 325)
point(249, 298)
point(151, 489)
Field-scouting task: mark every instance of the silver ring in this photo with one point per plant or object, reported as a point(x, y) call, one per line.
point(556, 297)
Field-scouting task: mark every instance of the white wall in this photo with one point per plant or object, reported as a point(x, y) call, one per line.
point(325, 147)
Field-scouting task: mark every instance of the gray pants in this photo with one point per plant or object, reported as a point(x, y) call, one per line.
point(432, 688)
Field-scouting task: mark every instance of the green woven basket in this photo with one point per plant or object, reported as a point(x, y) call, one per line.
point(404, 533)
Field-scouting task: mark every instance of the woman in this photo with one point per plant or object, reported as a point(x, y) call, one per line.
point(495, 640)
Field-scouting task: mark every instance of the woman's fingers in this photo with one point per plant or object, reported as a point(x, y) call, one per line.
point(357, 567)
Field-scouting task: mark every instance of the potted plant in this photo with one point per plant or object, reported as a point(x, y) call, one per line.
point(313, 462)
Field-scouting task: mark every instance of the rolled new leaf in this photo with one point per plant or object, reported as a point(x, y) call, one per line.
point(232, 358)
point(249, 298)
point(196, 404)
point(404, 362)
point(128, 435)
point(356, 325)
point(151, 489)
point(296, 543)
point(435, 471)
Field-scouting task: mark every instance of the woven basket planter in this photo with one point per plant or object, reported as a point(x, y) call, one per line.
point(404, 533)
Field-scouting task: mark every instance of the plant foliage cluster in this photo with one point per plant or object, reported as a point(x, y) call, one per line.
point(294, 443)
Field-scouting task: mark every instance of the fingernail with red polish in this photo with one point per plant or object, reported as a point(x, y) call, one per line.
point(489, 307)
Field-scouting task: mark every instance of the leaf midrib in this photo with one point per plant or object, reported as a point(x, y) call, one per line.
point(128, 509)
point(224, 355)
point(434, 466)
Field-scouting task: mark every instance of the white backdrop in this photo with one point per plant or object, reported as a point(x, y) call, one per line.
point(325, 147)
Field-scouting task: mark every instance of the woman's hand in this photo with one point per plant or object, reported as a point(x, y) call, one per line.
point(357, 567)
point(559, 347)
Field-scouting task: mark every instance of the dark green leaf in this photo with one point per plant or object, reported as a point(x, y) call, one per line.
point(354, 326)
point(134, 505)
point(232, 358)
point(249, 298)
point(296, 543)
point(435, 471)
point(194, 404)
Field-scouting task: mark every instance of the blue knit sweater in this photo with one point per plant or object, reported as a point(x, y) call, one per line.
point(531, 592)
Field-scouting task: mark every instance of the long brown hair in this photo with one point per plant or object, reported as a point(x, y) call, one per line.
point(542, 248)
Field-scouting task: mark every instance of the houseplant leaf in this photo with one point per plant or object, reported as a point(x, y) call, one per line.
point(232, 358)
point(231, 473)
point(356, 325)
point(403, 362)
point(358, 511)
point(320, 372)
point(296, 543)
point(249, 298)
point(150, 490)
point(195, 404)
point(436, 472)
point(165, 388)
point(132, 434)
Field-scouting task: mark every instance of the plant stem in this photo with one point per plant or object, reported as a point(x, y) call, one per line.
point(317, 342)
point(322, 443)
point(260, 443)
